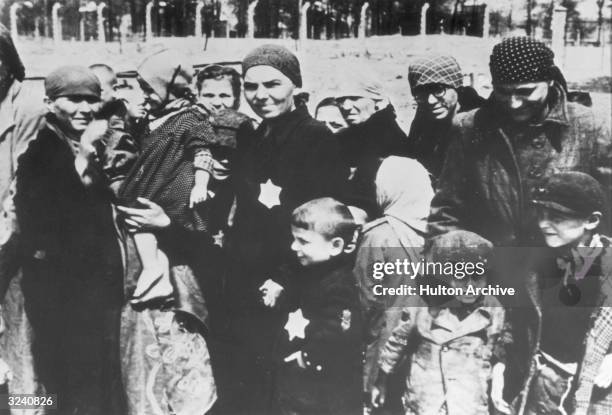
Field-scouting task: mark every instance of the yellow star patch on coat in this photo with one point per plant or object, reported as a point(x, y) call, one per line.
point(296, 325)
point(345, 320)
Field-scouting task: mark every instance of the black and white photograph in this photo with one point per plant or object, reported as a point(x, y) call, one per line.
point(306, 207)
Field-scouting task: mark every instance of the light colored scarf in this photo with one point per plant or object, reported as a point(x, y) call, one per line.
point(403, 191)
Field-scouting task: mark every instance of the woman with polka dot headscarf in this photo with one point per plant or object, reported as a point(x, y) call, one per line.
point(500, 152)
point(498, 156)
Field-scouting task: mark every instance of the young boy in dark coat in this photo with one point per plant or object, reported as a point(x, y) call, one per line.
point(319, 348)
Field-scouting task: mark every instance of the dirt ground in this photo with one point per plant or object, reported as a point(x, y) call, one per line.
point(327, 64)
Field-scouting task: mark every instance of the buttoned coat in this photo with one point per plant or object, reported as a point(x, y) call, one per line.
point(492, 167)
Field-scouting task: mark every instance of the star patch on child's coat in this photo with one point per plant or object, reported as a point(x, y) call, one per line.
point(345, 320)
point(296, 325)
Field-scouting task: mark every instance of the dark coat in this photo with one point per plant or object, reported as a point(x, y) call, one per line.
point(327, 296)
point(584, 397)
point(491, 170)
point(428, 141)
point(72, 277)
point(302, 157)
point(364, 146)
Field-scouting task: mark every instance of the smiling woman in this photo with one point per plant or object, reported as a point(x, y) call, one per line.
point(72, 278)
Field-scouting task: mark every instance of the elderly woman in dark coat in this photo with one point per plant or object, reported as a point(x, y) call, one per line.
point(436, 83)
point(499, 153)
point(73, 279)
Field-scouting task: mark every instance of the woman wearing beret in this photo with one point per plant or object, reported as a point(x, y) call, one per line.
point(289, 160)
point(72, 272)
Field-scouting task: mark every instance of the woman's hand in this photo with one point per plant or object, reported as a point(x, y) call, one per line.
point(150, 217)
point(604, 376)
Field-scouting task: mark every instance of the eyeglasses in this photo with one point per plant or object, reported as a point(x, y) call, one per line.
point(422, 94)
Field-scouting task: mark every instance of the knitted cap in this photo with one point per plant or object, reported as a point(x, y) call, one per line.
point(278, 57)
point(520, 60)
point(360, 82)
point(435, 70)
point(460, 246)
point(572, 192)
point(164, 68)
point(71, 81)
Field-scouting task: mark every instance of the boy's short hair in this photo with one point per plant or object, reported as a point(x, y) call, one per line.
point(572, 193)
point(219, 72)
point(327, 217)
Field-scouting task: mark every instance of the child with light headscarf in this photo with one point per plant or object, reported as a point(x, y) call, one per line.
point(403, 194)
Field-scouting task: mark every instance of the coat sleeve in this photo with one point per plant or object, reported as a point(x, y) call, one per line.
point(373, 308)
point(397, 345)
point(449, 205)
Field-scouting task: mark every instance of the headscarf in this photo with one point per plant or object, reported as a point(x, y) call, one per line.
point(72, 80)
point(403, 190)
point(521, 59)
point(278, 57)
point(9, 55)
point(435, 69)
point(167, 72)
point(360, 82)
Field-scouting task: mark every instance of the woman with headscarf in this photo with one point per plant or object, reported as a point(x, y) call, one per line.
point(372, 133)
point(72, 276)
point(289, 160)
point(21, 117)
point(166, 364)
point(436, 83)
point(403, 194)
point(499, 153)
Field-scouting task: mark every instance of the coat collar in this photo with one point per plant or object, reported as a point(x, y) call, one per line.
point(444, 325)
point(278, 129)
point(7, 109)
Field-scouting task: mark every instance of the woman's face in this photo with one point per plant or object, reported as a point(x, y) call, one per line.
point(268, 91)
point(151, 98)
point(217, 94)
point(522, 102)
point(356, 110)
point(74, 112)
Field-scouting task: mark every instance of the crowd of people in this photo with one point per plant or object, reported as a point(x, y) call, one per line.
point(161, 252)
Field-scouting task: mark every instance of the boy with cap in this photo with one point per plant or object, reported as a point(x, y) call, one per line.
point(570, 365)
point(451, 347)
point(436, 83)
point(320, 347)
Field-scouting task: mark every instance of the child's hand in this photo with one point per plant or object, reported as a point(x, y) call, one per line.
point(378, 395)
point(198, 195)
point(270, 291)
point(497, 389)
point(604, 376)
point(297, 357)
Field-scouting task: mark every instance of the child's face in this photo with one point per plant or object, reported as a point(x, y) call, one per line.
point(313, 248)
point(560, 229)
point(476, 282)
